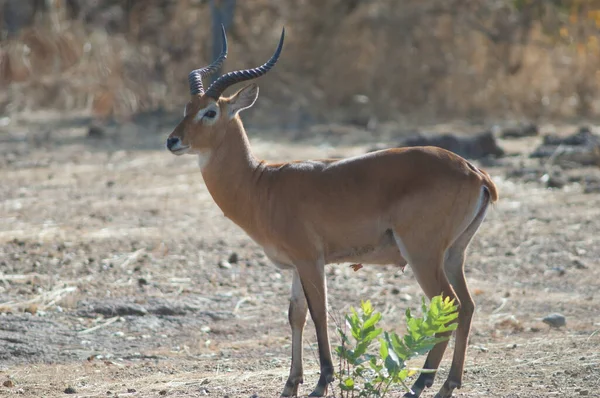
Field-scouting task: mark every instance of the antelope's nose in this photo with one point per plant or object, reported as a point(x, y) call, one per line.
point(172, 142)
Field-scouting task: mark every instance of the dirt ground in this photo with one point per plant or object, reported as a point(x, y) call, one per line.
point(120, 277)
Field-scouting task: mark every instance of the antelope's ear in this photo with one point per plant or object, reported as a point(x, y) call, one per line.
point(241, 100)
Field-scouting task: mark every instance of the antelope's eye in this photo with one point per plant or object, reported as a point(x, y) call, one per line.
point(210, 114)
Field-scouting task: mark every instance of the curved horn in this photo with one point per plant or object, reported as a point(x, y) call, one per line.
point(216, 89)
point(195, 76)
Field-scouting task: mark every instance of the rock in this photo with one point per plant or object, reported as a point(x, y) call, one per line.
point(8, 383)
point(591, 187)
point(474, 147)
point(95, 131)
point(582, 137)
point(70, 390)
point(588, 155)
point(554, 180)
point(555, 320)
point(560, 271)
point(111, 307)
point(525, 130)
point(582, 148)
point(224, 264)
point(577, 263)
point(405, 297)
point(233, 258)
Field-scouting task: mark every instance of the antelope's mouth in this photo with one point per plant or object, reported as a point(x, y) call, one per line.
point(181, 150)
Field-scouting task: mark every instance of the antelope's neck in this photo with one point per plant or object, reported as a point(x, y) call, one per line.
point(230, 173)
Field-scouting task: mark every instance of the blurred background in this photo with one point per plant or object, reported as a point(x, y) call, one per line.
point(344, 61)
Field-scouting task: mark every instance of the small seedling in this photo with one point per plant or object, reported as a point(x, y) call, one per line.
point(365, 373)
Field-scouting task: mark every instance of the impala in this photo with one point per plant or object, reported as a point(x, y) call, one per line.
point(419, 206)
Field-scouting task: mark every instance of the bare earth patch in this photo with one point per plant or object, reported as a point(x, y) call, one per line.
point(120, 276)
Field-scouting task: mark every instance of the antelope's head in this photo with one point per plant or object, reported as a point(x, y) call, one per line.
point(207, 114)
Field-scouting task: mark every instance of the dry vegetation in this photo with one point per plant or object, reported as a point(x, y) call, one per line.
point(118, 274)
point(345, 61)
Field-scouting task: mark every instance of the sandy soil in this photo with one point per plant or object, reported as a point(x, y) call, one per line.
point(120, 276)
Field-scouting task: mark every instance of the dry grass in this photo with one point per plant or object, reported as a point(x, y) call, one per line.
point(343, 61)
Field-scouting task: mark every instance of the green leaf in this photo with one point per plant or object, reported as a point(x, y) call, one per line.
point(361, 348)
point(372, 321)
point(393, 363)
point(366, 307)
point(347, 385)
point(373, 334)
point(383, 349)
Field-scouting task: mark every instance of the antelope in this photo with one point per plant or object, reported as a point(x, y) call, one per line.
point(419, 206)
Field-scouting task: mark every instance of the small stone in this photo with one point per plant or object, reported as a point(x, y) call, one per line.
point(142, 282)
point(224, 264)
point(162, 392)
point(131, 390)
point(8, 383)
point(553, 180)
point(70, 390)
point(95, 131)
point(233, 258)
point(577, 263)
point(405, 297)
point(555, 320)
point(584, 392)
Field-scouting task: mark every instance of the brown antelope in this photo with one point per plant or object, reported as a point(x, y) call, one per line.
point(419, 205)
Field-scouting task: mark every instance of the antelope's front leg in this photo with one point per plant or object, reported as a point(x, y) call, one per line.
point(297, 317)
point(312, 276)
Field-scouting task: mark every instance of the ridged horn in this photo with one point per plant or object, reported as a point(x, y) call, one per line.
point(216, 89)
point(195, 76)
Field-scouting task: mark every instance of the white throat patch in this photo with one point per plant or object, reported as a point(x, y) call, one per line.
point(203, 158)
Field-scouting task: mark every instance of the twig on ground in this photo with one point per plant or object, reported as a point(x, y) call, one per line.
point(102, 325)
point(132, 257)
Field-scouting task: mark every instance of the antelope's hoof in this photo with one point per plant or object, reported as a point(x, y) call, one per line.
point(324, 381)
point(447, 389)
point(291, 388)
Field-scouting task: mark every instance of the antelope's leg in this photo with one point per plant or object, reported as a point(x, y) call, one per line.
point(429, 271)
point(454, 270)
point(454, 267)
point(297, 317)
point(312, 276)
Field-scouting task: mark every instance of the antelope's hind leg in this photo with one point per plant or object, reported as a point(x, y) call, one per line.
point(454, 268)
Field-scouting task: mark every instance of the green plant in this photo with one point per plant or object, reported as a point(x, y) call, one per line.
point(363, 373)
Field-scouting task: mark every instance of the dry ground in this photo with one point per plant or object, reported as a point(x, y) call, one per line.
point(116, 233)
